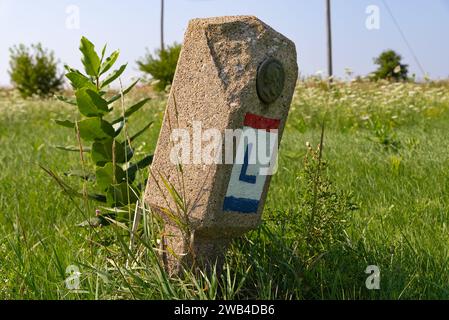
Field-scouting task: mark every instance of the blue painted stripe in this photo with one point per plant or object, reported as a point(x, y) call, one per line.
point(240, 205)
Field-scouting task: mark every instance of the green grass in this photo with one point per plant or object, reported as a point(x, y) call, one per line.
point(385, 152)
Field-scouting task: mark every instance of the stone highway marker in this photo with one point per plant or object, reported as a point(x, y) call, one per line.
point(233, 73)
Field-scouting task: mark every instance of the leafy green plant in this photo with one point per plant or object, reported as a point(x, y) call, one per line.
point(105, 138)
point(385, 135)
point(162, 66)
point(34, 71)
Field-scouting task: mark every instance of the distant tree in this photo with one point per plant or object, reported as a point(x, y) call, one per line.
point(390, 67)
point(162, 66)
point(34, 70)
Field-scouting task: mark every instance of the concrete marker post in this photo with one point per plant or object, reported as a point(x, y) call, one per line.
point(233, 73)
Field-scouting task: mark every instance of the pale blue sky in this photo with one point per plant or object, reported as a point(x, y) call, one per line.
point(133, 25)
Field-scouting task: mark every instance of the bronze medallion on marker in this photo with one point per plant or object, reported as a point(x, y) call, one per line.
point(270, 80)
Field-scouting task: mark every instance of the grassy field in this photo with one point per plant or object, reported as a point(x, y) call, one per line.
point(380, 198)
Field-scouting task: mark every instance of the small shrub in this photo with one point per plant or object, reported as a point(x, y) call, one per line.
point(320, 220)
point(390, 67)
point(34, 71)
point(326, 208)
point(162, 66)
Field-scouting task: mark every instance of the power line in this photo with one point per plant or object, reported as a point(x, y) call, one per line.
point(404, 38)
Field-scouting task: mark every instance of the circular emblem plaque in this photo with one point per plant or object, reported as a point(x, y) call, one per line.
point(270, 80)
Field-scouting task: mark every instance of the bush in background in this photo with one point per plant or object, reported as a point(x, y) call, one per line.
point(390, 67)
point(161, 66)
point(34, 70)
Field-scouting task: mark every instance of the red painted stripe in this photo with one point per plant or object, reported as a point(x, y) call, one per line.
point(259, 122)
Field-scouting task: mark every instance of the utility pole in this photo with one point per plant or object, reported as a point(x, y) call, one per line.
point(329, 39)
point(162, 26)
